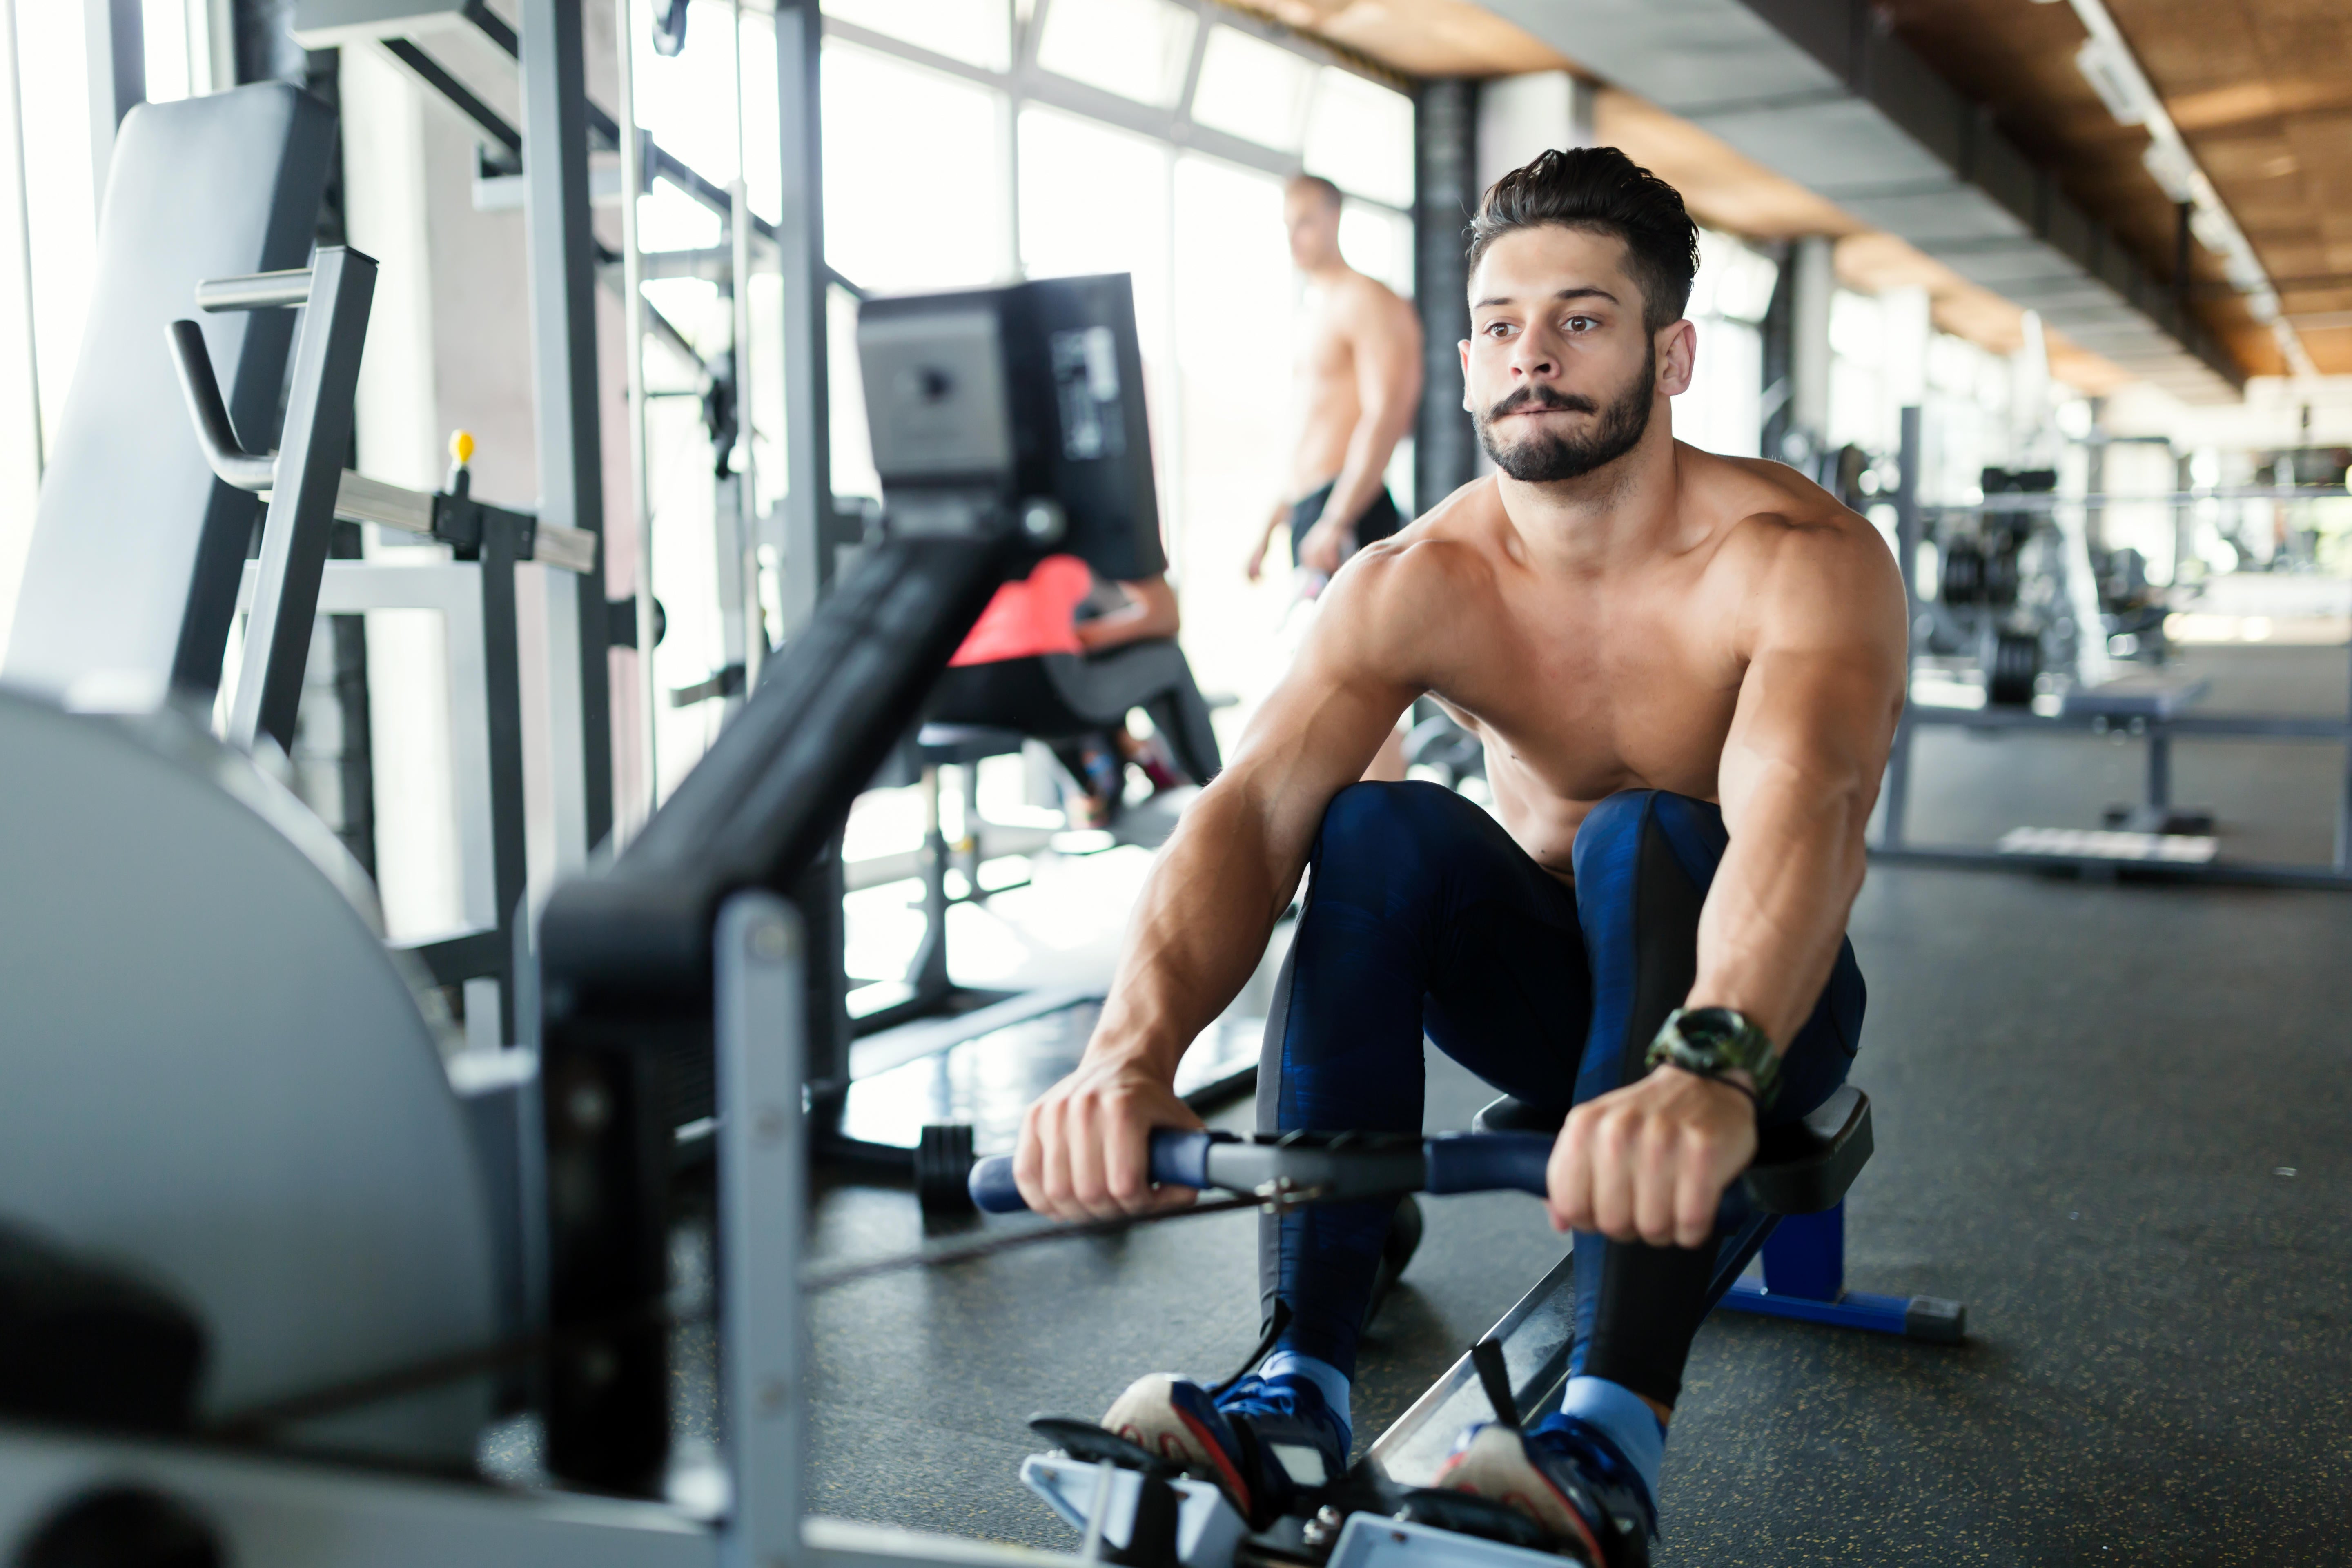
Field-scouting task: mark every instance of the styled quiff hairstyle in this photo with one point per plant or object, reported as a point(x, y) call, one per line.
point(1601, 191)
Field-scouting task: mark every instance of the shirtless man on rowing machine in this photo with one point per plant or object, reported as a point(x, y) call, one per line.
point(1686, 670)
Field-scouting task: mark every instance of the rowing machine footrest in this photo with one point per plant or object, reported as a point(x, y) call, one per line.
point(1803, 1167)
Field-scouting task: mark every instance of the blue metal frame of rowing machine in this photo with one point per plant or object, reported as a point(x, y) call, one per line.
point(1804, 1278)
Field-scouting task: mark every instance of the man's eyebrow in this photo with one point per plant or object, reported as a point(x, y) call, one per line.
point(1586, 292)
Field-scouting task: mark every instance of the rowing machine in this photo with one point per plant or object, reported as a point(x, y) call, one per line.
point(1138, 1509)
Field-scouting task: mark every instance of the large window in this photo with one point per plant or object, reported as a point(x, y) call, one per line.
point(1723, 411)
point(915, 174)
point(970, 141)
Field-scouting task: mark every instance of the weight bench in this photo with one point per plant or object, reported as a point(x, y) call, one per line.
point(2142, 703)
point(1790, 1207)
point(926, 988)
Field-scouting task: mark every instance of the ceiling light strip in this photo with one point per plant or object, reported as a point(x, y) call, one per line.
point(2113, 72)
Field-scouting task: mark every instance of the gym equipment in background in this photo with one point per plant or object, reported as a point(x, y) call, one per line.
point(2156, 837)
point(292, 582)
point(130, 582)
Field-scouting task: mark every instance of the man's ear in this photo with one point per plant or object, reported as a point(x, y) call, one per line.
point(1677, 358)
point(1465, 347)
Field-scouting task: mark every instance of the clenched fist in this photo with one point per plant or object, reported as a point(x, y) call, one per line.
point(1649, 1162)
point(1086, 1146)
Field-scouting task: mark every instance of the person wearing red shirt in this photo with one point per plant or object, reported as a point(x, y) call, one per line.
point(1065, 656)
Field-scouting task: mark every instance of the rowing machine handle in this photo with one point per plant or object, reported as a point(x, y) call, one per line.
point(1456, 1162)
point(1179, 1158)
point(1488, 1162)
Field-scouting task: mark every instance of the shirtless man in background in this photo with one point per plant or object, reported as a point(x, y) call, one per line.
point(1686, 670)
point(1359, 378)
point(1358, 375)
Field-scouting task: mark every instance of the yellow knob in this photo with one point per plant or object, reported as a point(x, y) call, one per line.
point(461, 447)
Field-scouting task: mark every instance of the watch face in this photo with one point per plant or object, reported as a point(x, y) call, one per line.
point(1708, 1025)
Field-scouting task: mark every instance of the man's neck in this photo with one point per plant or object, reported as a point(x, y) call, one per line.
point(1331, 274)
point(1611, 518)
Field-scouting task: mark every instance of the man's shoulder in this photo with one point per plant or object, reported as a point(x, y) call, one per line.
point(1768, 510)
point(1366, 302)
point(1441, 554)
point(1791, 546)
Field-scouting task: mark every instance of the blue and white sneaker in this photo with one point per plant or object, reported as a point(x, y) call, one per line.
point(1266, 1439)
point(1568, 1477)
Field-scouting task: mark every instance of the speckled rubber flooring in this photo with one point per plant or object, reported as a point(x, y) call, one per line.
point(2114, 1121)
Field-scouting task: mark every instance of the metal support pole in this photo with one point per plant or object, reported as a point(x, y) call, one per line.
point(807, 509)
point(294, 535)
point(746, 488)
point(757, 961)
point(502, 703)
point(633, 355)
point(754, 652)
point(1907, 552)
point(2160, 767)
point(571, 471)
point(806, 548)
point(1445, 127)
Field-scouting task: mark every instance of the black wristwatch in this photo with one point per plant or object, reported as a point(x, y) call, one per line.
point(1713, 1041)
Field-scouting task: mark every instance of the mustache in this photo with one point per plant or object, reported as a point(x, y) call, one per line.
point(1535, 395)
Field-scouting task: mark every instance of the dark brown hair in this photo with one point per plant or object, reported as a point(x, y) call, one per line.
point(1601, 190)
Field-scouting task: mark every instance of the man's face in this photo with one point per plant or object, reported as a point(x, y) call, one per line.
point(1558, 374)
point(1313, 220)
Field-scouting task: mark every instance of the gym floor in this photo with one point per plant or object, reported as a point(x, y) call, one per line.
point(2110, 1119)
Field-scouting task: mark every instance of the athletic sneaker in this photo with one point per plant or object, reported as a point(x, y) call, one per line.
point(1264, 1438)
point(1568, 1477)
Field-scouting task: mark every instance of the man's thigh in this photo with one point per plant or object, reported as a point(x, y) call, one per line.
point(1505, 990)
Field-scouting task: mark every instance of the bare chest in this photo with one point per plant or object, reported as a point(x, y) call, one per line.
point(1624, 700)
point(1321, 352)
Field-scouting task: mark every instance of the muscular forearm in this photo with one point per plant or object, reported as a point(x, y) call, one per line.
point(1199, 930)
point(1776, 913)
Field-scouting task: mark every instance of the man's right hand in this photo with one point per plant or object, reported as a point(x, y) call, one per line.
point(1085, 1148)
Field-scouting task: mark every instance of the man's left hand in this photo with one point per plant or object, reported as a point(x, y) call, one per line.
point(1319, 550)
point(1649, 1162)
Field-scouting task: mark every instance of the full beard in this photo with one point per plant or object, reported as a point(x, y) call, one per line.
point(1547, 456)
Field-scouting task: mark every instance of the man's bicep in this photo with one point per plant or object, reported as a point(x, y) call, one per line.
point(1321, 726)
point(1812, 719)
point(1824, 687)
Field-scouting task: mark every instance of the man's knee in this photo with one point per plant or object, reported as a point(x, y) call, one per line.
point(1384, 823)
point(1693, 829)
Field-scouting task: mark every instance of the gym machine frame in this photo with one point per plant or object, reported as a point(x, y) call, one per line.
point(293, 581)
point(2156, 713)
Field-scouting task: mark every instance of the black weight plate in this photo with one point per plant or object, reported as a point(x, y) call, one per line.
point(944, 1162)
point(2016, 660)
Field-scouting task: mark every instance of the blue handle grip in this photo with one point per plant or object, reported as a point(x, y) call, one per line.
point(1179, 1158)
point(1488, 1162)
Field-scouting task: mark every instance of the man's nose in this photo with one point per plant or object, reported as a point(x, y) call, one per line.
point(1533, 356)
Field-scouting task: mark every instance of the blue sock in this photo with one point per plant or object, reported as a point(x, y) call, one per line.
point(1329, 1380)
point(1618, 1411)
